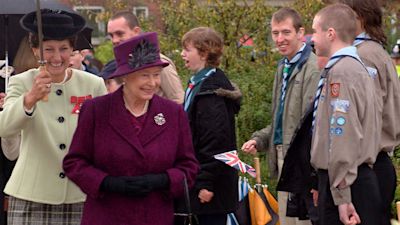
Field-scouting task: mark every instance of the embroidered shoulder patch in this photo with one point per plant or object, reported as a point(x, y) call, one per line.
point(340, 105)
point(372, 72)
point(335, 90)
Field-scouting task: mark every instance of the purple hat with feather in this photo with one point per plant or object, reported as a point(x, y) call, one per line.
point(137, 53)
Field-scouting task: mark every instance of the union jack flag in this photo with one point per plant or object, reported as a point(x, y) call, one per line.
point(231, 158)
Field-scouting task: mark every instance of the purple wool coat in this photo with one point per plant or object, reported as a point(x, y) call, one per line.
point(105, 143)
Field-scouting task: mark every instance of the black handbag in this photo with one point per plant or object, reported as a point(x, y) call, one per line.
point(184, 217)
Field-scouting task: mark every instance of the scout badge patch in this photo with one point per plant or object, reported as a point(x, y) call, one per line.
point(335, 90)
point(340, 105)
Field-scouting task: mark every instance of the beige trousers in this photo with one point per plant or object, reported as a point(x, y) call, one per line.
point(283, 196)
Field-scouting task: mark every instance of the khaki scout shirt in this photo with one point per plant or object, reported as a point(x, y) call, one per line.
point(171, 85)
point(387, 86)
point(345, 133)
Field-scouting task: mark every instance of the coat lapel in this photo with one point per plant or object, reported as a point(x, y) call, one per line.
point(121, 123)
point(294, 73)
point(156, 121)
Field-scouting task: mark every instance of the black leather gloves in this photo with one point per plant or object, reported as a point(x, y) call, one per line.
point(156, 181)
point(135, 186)
point(124, 185)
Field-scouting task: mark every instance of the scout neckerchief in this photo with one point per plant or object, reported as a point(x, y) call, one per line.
point(361, 38)
point(347, 51)
point(194, 85)
point(286, 68)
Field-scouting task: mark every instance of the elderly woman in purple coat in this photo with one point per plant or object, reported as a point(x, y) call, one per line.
point(132, 149)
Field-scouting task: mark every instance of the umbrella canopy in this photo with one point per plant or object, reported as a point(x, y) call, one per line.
point(11, 33)
point(242, 214)
point(10, 7)
point(256, 206)
point(263, 206)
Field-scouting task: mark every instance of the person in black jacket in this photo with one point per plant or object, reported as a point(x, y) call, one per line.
point(211, 102)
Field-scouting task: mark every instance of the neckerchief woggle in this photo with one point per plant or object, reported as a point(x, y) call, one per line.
point(194, 85)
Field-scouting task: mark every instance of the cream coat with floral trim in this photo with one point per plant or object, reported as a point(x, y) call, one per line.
point(46, 137)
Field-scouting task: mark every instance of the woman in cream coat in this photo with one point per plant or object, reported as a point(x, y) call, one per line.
point(43, 105)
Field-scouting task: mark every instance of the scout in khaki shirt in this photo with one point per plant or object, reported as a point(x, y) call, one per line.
point(345, 124)
point(369, 42)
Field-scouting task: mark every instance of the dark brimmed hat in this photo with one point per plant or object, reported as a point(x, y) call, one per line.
point(57, 24)
point(108, 69)
point(137, 53)
point(84, 40)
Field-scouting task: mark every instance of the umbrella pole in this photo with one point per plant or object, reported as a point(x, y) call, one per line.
point(7, 75)
point(258, 185)
point(42, 62)
point(6, 51)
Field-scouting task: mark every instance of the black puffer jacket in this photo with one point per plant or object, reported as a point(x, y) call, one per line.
point(212, 121)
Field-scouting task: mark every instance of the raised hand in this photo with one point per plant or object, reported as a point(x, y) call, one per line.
point(40, 89)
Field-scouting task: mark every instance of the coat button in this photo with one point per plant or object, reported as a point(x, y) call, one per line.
point(61, 119)
point(62, 146)
point(62, 175)
point(59, 92)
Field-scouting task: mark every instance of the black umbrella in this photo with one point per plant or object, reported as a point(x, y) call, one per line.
point(25, 6)
point(11, 33)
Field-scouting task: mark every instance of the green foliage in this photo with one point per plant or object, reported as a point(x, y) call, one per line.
point(231, 19)
point(307, 10)
point(104, 52)
point(391, 22)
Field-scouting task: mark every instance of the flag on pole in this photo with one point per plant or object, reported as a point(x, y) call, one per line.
point(231, 158)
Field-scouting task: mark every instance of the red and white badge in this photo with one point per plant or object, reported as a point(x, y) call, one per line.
point(78, 100)
point(335, 90)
